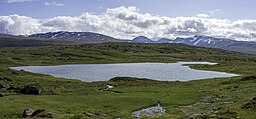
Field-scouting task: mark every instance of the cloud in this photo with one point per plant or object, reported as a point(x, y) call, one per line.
point(214, 11)
point(128, 22)
point(13, 1)
point(54, 4)
point(203, 15)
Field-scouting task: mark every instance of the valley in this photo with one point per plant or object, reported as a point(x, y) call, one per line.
point(68, 98)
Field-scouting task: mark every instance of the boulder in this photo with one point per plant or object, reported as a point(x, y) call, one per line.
point(27, 113)
point(42, 113)
point(33, 89)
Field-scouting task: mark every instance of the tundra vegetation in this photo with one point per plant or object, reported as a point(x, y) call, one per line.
point(65, 98)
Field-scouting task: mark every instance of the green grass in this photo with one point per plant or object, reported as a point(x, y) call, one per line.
point(68, 98)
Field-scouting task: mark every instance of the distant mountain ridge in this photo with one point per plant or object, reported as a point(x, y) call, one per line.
point(197, 40)
point(141, 39)
point(76, 36)
point(206, 41)
point(222, 43)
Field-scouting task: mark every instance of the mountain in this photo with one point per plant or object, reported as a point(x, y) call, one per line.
point(62, 38)
point(222, 43)
point(7, 40)
point(82, 37)
point(165, 40)
point(141, 39)
point(205, 41)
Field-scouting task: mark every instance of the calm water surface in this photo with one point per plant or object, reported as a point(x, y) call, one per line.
point(103, 72)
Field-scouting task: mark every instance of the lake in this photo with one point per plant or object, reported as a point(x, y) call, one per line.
point(103, 72)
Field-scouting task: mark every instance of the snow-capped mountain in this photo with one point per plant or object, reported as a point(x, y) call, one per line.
point(197, 40)
point(76, 36)
point(205, 41)
point(222, 43)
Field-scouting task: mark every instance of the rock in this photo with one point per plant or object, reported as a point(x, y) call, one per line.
point(40, 113)
point(1, 95)
point(50, 116)
point(37, 113)
point(150, 111)
point(100, 114)
point(27, 113)
point(88, 114)
point(33, 89)
point(95, 114)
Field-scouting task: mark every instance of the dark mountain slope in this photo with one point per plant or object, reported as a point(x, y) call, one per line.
point(81, 37)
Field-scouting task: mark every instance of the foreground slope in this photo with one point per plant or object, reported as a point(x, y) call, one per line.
point(216, 98)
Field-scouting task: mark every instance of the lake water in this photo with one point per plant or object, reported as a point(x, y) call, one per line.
point(103, 72)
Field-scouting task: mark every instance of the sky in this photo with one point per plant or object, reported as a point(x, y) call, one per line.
point(126, 19)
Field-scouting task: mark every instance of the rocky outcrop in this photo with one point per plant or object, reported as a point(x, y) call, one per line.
point(150, 111)
point(29, 113)
point(33, 89)
point(42, 113)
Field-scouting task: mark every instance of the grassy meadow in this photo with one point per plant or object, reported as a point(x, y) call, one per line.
point(74, 99)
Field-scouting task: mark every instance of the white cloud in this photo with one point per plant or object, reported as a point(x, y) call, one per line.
point(13, 1)
point(128, 22)
point(54, 4)
point(214, 11)
point(203, 15)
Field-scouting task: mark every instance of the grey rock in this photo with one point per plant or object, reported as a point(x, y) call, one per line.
point(27, 113)
point(150, 111)
point(39, 113)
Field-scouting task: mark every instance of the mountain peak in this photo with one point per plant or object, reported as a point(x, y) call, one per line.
point(141, 39)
